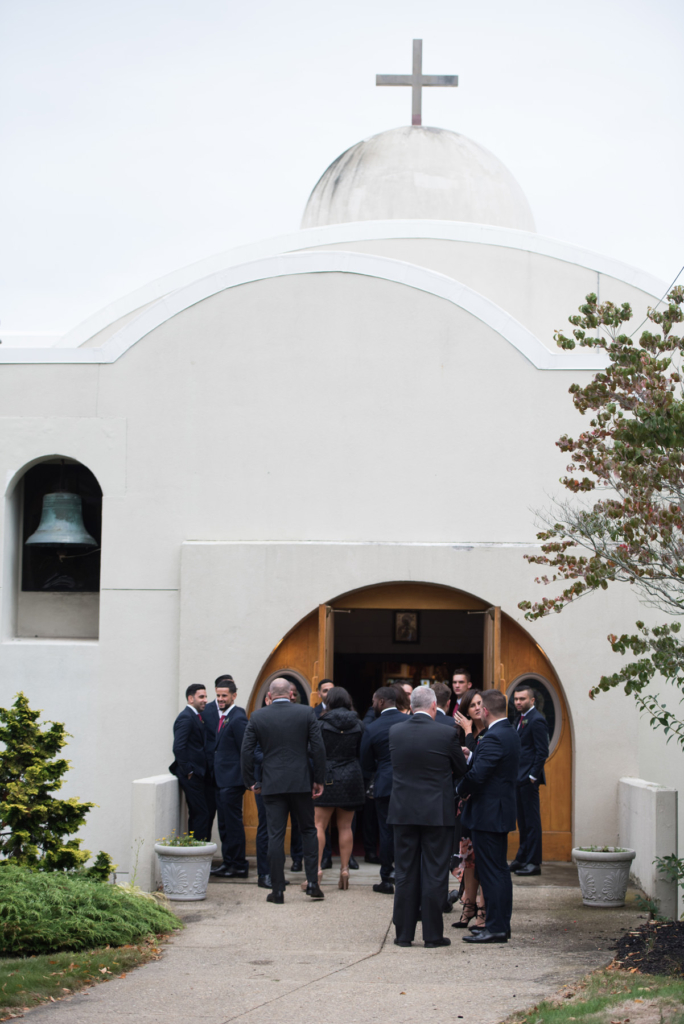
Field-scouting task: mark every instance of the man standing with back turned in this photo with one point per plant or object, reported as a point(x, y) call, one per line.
point(490, 814)
point(285, 732)
point(426, 758)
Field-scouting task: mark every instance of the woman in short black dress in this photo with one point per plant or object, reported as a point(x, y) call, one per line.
point(344, 790)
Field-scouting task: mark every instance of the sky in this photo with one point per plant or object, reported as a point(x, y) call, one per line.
point(138, 136)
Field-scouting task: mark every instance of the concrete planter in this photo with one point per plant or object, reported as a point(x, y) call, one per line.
point(185, 870)
point(603, 877)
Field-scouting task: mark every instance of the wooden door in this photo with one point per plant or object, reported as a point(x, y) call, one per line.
point(323, 669)
point(492, 669)
point(521, 656)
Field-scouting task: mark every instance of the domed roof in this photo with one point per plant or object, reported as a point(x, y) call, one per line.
point(416, 173)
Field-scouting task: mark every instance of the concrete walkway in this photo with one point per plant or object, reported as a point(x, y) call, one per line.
point(334, 961)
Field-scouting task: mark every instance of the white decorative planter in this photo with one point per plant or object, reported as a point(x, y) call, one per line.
point(603, 877)
point(185, 870)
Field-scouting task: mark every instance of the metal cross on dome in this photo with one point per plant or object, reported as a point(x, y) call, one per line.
point(417, 81)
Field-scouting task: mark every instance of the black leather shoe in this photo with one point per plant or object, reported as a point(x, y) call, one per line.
point(385, 887)
point(326, 863)
point(220, 872)
point(275, 897)
point(528, 869)
point(398, 942)
point(480, 938)
point(447, 908)
point(353, 864)
point(440, 942)
point(370, 858)
point(264, 882)
point(514, 865)
point(314, 890)
point(477, 928)
point(296, 865)
point(232, 873)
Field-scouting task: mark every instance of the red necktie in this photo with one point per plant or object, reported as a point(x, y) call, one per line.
point(222, 722)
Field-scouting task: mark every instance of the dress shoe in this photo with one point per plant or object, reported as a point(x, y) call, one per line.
point(370, 858)
point(264, 882)
point(477, 928)
point(296, 865)
point(220, 871)
point(514, 865)
point(479, 938)
point(400, 942)
point(386, 887)
point(438, 942)
point(233, 873)
point(275, 897)
point(353, 864)
point(528, 869)
point(326, 864)
point(314, 890)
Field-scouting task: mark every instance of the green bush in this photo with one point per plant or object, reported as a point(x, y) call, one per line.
point(44, 912)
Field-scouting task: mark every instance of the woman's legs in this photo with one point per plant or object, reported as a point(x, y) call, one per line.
point(322, 816)
point(345, 835)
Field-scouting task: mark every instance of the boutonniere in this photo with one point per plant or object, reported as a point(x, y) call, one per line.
point(523, 723)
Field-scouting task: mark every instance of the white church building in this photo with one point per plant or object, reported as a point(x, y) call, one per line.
point(281, 447)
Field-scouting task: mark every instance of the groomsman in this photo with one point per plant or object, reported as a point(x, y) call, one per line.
point(534, 741)
point(210, 717)
point(230, 788)
point(324, 688)
point(190, 764)
point(490, 814)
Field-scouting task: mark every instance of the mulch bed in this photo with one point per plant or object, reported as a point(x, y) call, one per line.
point(654, 948)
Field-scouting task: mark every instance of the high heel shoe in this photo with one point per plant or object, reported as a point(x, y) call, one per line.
point(344, 879)
point(468, 913)
point(480, 921)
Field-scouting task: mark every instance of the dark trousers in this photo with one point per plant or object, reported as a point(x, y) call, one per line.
point(261, 839)
point(386, 839)
point(229, 803)
point(300, 806)
point(199, 822)
point(491, 868)
point(422, 855)
point(529, 824)
point(370, 829)
point(212, 808)
point(295, 840)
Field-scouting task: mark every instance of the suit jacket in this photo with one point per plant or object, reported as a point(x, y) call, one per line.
point(441, 718)
point(318, 710)
point(210, 717)
point(286, 733)
point(188, 745)
point(491, 781)
point(375, 751)
point(227, 762)
point(426, 758)
point(534, 744)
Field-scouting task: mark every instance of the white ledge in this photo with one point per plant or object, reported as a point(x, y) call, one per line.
point(319, 262)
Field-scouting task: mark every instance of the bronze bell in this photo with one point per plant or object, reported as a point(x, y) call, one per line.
point(61, 523)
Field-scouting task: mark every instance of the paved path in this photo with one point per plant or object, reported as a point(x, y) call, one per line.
point(334, 961)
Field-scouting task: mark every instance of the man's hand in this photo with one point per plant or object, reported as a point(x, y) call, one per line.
point(256, 788)
point(317, 790)
point(466, 752)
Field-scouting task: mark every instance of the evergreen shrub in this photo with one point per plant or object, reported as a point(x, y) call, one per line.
point(45, 912)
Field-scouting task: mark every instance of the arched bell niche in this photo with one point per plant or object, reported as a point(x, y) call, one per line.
point(56, 505)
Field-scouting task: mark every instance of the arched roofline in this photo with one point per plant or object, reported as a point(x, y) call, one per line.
point(303, 263)
point(19, 474)
point(335, 234)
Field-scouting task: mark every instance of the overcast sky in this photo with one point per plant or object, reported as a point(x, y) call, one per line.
point(142, 135)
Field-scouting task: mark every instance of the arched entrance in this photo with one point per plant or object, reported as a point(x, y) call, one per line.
point(421, 632)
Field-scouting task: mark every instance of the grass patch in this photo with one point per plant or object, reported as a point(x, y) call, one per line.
point(39, 979)
point(49, 912)
point(612, 996)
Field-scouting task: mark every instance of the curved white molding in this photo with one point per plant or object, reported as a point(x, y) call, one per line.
point(320, 262)
point(451, 231)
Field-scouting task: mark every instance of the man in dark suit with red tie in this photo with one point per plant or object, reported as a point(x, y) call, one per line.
point(230, 787)
point(534, 742)
point(190, 764)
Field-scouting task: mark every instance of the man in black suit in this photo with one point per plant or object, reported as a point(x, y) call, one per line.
point(210, 717)
point(426, 758)
point(324, 688)
point(534, 742)
point(375, 759)
point(228, 778)
point(443, 696)
point(286, 733)
point(190, 764)
point(490, 814)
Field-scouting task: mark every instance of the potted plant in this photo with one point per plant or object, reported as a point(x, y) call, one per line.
point(185, 864)
point(603, 874)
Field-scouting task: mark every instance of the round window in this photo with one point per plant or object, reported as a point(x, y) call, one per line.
point(300, 683)
point(546, 700)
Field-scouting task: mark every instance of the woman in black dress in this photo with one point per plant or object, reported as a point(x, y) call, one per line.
point(469, 718)
point(344, 790)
